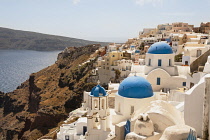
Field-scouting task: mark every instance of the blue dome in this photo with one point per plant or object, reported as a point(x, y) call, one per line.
point(160, 48)
point(135, 87)
point(98, 91)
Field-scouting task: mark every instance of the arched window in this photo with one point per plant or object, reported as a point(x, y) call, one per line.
point(158, 80)
point(159, 62)
point(103, 104)
point(149, 64)
point(119, 107)
point(169, 62)
point(132, 109)
point(95, 104)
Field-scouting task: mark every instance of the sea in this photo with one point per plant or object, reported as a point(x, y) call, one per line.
point(17, 65)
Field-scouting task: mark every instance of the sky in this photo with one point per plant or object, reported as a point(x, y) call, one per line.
point(99, 20)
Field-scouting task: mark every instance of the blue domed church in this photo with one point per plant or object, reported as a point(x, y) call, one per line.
point(98, 114)
point(134, 93)
point(160, 69)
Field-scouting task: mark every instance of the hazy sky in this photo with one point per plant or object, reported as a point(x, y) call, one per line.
point(101, 20)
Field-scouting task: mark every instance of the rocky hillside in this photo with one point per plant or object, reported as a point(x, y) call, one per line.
point(46, 98)
point(16, 39)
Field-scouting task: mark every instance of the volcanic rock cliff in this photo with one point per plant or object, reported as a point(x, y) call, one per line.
point(46, 98)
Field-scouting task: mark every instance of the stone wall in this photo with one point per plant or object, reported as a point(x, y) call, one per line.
point(200, 61)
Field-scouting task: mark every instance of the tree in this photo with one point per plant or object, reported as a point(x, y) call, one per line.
point(117, 75)
point(178, 58)
point(141, 47)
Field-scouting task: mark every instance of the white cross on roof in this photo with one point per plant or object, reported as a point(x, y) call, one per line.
point(98, 82)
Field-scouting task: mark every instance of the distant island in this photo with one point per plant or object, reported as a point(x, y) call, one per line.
point(17, 39)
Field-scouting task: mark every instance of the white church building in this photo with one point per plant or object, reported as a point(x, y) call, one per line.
point(160, 69)
point(137, 110)
point(137, 114)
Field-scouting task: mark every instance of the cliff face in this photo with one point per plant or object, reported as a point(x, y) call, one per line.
point(16, 39)
point(47, 97)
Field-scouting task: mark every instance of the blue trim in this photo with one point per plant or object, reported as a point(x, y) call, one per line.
point(168, 39)
point(127, 127)
point(191, 135)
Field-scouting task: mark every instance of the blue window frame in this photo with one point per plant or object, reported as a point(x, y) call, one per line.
point(159, 62)
point(127, 128)
point(158, 81)
point(184, 84)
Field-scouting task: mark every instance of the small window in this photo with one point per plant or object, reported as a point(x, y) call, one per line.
point(149, 64)
point(159, 62)
point(103, 104)
point(66, 137)
point(119, 107)
point(95, 104)
point(184, 84)
point(169, 62)
point(158, 81)
point(186, 62)
point(132, 109)
point(113, 56)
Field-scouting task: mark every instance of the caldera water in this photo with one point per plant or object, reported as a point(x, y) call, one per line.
point(17, 65)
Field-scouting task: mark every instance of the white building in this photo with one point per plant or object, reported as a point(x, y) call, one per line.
point(192, 50)
point(160, 69)
point(196, 108)
point(111, 47)
point(98, 115)
point(134, 92)
point(137, 115)
point(73, 131)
